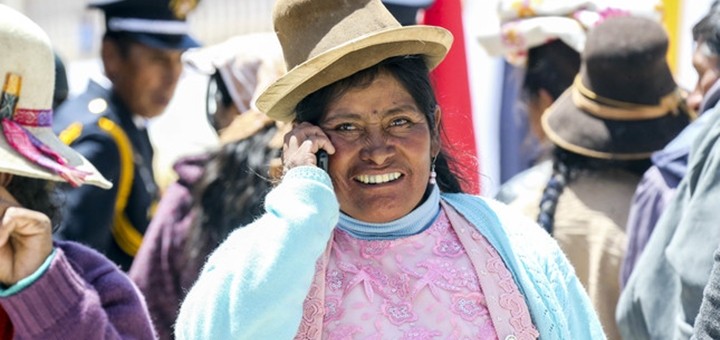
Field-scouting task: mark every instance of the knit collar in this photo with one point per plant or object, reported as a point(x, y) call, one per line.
point(413, 223)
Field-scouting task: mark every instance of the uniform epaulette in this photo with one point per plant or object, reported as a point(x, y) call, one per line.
point(86, 118)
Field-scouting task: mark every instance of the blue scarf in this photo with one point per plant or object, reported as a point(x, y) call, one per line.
point(413, 223)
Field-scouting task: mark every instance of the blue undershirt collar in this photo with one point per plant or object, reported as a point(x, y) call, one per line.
point(411, 224)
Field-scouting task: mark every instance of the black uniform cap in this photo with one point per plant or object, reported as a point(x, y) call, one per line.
point(156, 23)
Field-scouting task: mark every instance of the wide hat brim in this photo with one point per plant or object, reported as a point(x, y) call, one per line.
point(14, 163)
point(581, 132)
point(279, 100)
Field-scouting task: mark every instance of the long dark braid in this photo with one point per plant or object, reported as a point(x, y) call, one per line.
point(568, 166)
point(548, 203)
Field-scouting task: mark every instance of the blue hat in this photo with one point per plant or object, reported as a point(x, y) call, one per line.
point(156, 23)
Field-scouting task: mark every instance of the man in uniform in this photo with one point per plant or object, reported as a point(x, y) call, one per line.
point(141, 51)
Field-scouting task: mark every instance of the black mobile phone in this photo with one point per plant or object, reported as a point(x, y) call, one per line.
point(322, 159)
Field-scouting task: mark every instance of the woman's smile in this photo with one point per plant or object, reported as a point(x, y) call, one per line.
point(378, 179)
point(381, 165)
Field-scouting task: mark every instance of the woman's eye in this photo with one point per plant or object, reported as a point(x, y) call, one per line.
point(399, 122)
point(345, 127)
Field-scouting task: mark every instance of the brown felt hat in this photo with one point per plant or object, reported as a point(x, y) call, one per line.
point(624, 104)
point(324, 41)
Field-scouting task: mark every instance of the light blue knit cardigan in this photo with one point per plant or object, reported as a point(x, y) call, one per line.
point(254, 284)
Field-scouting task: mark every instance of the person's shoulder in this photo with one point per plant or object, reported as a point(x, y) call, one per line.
point(529, 180)
point(83, 258)
point(514, 220)
point(84, 114)
point(520, 230)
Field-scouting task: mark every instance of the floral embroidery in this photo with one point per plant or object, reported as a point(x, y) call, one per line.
point(469, 306)
point(312, 308)
point(419, 333)
point(511, 300)
point(374, 249)
point(367, 275)
point(311, 322)
point(433, 278)
point(344, 333)
point(333, 308)
point(464, 277)
point(335, 279)
point(441, 227)
point(398, 313)
point(448, 248)
point(399, 286)
point(390, 277)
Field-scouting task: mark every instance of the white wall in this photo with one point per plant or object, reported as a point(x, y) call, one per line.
point(485, 75)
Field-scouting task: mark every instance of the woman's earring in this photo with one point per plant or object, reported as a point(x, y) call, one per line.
point(433, 174)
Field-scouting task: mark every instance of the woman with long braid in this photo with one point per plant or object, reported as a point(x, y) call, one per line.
point(623, 106)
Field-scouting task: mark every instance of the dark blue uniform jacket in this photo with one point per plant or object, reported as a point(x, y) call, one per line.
point(101, 128)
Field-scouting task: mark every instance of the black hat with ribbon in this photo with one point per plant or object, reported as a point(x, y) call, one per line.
point(624, 103)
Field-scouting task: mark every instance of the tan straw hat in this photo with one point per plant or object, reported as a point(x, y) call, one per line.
point(325, 41)
point(28, 146)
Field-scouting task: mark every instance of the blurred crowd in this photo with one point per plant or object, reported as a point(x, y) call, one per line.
point(611, 232)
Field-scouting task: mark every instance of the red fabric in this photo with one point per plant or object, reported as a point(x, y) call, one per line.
point(453, 90)
point(35, 151)
point(28, 117)
point(6, 327)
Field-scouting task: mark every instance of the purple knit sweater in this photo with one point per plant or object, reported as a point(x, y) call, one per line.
point(83, 295)
point(160, 269)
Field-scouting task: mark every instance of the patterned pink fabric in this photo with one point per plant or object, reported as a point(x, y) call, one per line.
point(35, 151)
point(24, 142)
point(421, 287)
point(28, 117)
point(505, 302)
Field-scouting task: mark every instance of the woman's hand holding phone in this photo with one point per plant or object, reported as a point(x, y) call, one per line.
point(305, 145)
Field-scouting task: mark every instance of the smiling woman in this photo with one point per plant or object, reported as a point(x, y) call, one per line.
point(384, 244)
point(383, 142)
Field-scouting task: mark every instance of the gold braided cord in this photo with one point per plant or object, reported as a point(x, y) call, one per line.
point(126, 235)
point(607, 108)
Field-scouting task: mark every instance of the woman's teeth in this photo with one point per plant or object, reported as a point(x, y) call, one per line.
point(378, 179)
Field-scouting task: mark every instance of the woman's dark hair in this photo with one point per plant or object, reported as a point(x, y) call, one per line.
point(568, 166)
point(35, 194)
point(230, 192)
point(551, 66)
point(708, 29)
point(412, 72)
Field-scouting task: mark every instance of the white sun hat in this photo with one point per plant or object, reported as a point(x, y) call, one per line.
point(28, 146)
point(526, 24)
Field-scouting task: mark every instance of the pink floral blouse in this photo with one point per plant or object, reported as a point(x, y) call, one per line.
point(421, 287)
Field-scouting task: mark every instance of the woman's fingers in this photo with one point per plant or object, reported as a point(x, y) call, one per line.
point(25, 240)
point(302, 143)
